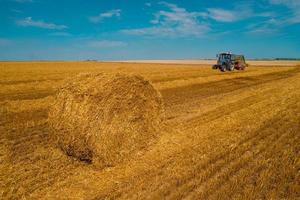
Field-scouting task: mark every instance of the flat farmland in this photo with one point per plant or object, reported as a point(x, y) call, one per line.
point(232, 135)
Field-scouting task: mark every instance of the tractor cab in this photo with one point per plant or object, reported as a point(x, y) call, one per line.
point(224, 58)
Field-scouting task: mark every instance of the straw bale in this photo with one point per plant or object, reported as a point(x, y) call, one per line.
point(106, 118)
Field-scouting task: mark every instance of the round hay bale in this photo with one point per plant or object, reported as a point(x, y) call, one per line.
point(106, 118)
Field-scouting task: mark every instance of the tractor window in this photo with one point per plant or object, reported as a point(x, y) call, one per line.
point(225, 56)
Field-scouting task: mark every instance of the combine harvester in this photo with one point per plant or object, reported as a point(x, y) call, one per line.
point(228, 61)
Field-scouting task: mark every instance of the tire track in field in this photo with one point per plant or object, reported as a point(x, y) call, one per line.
point(37, 81)
point(252, 172)
point(33, 169)
point(23, 183)
point(230, 167)
point(224, 110)
point(283, 140)
point(213, 166)
point(175, 95)
point(280, 156)
point(268, 139)
point(23, 116)
point(221, 162)
point(23, 142)
point(193, 74)
point(28, 95)
point(163, 80)
point(254, 138)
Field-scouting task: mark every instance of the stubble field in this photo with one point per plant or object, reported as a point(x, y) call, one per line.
point(226, 136)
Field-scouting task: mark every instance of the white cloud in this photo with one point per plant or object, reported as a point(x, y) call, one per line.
point(239, 12)
point(108, 14)
point(286, 2)
point(262, 28)
point(178, 22)
point(269, 26)
point(28, 21)
point(275, 23)
point(148, 4)
point(293, 5)
point(174, 22)
point(106, 44)
point(221, 15)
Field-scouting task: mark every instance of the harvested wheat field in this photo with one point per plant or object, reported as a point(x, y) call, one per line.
point(190, 133)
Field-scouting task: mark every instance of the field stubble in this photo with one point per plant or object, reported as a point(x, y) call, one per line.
point(227, 136)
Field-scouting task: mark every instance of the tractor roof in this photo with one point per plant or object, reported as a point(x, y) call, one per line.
point(226, 53)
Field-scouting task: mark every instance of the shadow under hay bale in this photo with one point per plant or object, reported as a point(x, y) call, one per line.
point(106, 118)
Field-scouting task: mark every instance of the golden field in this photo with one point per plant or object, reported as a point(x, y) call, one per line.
point(233, 135)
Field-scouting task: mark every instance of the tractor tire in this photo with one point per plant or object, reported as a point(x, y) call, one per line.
point(231, 68)
point(223, 68)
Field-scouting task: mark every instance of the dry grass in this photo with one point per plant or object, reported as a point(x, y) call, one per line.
point(227, 136)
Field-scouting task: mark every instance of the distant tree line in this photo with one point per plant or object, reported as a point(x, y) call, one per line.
point(287, 59)
point(275, 59)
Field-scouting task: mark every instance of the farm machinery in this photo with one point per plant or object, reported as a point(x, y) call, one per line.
point(230, 62)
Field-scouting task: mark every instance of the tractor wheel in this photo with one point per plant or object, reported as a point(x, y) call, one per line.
point(223, 68)
point(231, 67)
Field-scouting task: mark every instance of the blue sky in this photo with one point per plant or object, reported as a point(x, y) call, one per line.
point(145, 29)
